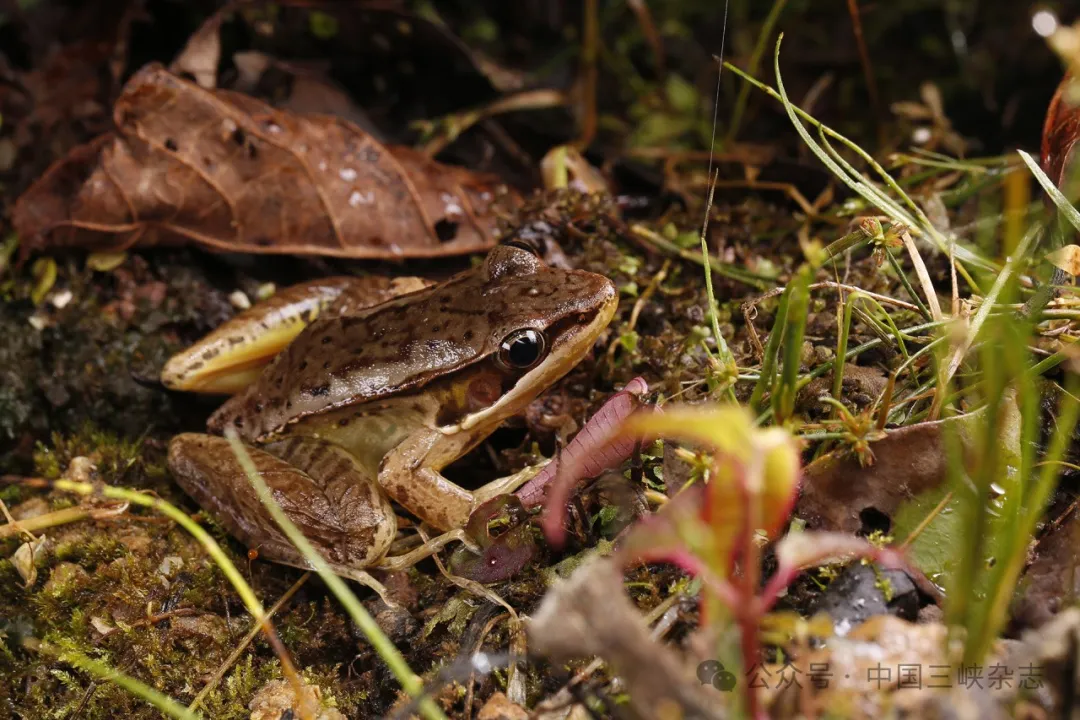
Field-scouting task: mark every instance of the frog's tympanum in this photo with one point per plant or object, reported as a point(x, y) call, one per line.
point(370, 402)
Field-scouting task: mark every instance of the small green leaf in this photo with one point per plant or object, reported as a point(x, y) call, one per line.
point(682, 96)
point(687, 239)
point(105, 261)
point(44, 271)
point(629, 341)
point(323, 25)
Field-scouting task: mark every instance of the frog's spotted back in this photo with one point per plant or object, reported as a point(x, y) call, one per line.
point(409, 341)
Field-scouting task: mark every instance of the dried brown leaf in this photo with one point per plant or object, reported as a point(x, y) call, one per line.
point(838, 491)
point(227, 172)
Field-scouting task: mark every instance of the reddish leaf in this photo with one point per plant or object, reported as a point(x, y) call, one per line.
point(596, 448)
point(227, 172)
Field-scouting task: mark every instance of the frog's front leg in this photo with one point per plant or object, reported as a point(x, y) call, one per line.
point(330, 497)
point(410, 474)
point(231, 357)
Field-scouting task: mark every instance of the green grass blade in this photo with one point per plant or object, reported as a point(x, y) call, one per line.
point(794, 330)
point(767, 376)
point(1060, 201)
point(867, 191)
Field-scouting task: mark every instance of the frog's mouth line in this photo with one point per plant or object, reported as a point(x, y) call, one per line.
point(571, 346)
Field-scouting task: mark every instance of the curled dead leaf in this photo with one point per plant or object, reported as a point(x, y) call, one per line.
point(803, 550)
point(1066, 258)
point(226, 172)
point(590, 614)
point(24, 560)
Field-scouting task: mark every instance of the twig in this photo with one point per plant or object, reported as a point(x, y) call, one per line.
point(42, 522)
point(723, 269)
point(652, 35)
point(755, 61)
point(590, 48)
point(868, 69)
point(839, 286)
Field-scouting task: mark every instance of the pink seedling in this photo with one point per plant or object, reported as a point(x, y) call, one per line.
point(598, 447)
point(712, 530)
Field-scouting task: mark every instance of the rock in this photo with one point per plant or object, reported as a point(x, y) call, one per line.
point(859, 594)
point(31, 508)
point(394, 620)
point(957, 704)
point(861, 386)
point(170, 564)
point(208, 626)
point(276, 700)
point(499, 707)
point(890, 664)
point(81, 469)
point(135, 539)
point(1046, 666)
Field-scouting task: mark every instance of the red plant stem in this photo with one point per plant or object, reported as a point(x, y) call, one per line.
point(750, 621)
point(748, 609)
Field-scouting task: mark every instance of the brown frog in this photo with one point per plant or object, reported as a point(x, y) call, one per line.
point(368, 403)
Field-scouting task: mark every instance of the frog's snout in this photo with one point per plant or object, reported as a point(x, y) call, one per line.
point(605, 298)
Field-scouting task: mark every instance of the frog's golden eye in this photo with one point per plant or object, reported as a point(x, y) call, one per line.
point(521, 349)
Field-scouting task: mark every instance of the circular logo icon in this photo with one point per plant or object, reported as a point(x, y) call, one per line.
point(712, 672)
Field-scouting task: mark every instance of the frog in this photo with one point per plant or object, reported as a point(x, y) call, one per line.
point(363, 402)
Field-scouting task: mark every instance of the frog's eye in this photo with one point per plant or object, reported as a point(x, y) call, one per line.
point(521, 349)
point(522, 243)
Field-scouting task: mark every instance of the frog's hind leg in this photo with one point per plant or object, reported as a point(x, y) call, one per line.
point(341, 511)
point(231, 357)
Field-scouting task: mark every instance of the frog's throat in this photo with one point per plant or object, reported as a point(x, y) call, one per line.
point(570, 350)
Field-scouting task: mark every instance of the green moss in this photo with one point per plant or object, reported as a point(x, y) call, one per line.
point(112, 455)
point(89, 552)
point(230, 699)
point(46, 462)
point(13, 494)
point(66, 587)
point(457, 612)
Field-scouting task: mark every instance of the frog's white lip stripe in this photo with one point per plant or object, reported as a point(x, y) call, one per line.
point(562, 358)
